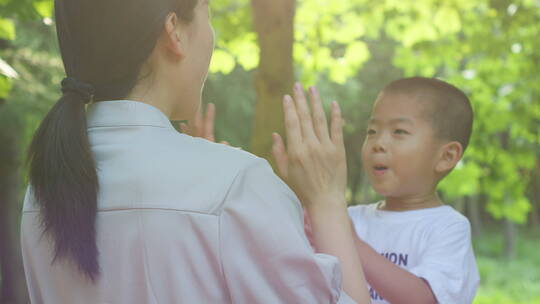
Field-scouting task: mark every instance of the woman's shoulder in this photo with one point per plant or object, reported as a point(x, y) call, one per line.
point(213, 156)
point(176, 172)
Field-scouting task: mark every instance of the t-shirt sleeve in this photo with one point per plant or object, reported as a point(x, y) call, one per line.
point(448, 264)
point(266, 257)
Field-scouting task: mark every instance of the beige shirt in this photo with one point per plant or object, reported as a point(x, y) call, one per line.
point(181, 220)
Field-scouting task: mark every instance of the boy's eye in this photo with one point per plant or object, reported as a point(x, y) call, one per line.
point(401, 132)
point(371, 132)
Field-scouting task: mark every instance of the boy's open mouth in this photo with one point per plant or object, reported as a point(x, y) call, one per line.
point(380, 169)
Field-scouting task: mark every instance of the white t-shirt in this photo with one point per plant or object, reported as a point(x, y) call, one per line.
point(434, 244)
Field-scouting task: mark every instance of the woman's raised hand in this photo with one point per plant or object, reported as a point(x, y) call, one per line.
point(314, 166)
point(202, 126)
point(314, 163)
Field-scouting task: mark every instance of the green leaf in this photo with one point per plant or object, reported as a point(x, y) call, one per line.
point(44, 8)
point(222, 62)
point(447, 20)
point(7, 29)
point(246, 51)
point(5, 87)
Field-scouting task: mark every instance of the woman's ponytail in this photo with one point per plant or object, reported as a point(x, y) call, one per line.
point(64, 180)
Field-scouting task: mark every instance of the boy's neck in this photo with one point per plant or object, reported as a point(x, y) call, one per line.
point(429, 200)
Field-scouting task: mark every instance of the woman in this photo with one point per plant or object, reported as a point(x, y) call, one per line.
point(121, 208)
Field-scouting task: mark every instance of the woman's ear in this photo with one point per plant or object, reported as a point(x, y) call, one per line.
point(450, 154)
point(173, 36)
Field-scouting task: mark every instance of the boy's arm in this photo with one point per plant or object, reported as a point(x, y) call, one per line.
point(393, 283)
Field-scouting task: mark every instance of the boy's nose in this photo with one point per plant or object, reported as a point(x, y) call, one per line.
point(378, 147)
point(379, 144)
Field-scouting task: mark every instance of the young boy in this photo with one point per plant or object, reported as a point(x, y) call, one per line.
point(413, 248)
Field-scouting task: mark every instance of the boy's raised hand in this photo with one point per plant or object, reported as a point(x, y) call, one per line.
point(314, 163)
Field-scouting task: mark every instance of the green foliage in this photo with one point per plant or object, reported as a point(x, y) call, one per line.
point(7, 29)
point(489, 49)
point(22, 10)
point(236, 42)
point(44, 8)
point(328, 40)
point(351, 48)
point(234, 96)
point(505, 281)
point(5, 87)
point(490, 61)
point(34, 54)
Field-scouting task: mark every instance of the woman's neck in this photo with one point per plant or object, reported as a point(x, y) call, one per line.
point(152, 93)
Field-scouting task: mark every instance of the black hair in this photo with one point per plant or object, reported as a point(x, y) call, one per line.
point(104, 44)
point(450, 112)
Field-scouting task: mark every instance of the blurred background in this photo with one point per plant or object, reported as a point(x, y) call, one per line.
point(350, 49)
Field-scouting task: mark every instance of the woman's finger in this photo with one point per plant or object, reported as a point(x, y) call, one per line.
point(197, 123)
point(184, 128)
point(292, 125)
point(280, 155)
point(304, 115)
point(187, 129)
point(208, 123)
point(336, 125)
point(319, 117)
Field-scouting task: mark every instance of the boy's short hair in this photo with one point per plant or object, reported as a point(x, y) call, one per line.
point(451, 112)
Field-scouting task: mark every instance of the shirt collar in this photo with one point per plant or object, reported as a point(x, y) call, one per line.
point(116, 113)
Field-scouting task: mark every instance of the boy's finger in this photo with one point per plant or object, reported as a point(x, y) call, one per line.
point(303, 112)
point(208, 128)
point(280, 155)
point(292, 124)
point(336, 125)
point(319, 117)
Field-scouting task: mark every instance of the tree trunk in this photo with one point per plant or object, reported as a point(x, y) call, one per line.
point(355, 184)
point(534, 221)
point(534, 196)
point(509, 238)
point(473, 211)
point(459, 205)
point(13, 287)
point(366, 187)
point(274, 24)
point(355, 171)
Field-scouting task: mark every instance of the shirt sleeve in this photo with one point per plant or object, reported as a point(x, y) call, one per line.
point(448, 264)
point(266, 257)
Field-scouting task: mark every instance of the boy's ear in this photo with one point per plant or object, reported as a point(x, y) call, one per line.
point(450, 155)
point(173, 36)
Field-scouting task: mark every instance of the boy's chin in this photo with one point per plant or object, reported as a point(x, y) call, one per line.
point(384, 191)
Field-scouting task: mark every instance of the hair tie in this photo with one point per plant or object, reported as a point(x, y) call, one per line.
point(84, 90)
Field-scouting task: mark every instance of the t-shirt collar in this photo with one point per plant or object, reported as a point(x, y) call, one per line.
point(116, 113)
